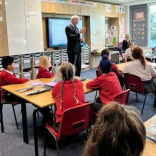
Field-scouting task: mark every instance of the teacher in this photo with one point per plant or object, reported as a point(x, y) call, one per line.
point(73, 43)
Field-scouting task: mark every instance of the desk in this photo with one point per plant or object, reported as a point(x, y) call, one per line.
point(40, 100)
point(150, 146)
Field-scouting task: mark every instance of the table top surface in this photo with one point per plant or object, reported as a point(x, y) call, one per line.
point(150, 147)
point(42, 99)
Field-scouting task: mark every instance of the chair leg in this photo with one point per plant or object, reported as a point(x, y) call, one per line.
point(57, 148)
point(1, 114)
point(95, 96)
point(137, 97)
point(143, 105)
point(45, 141)
point(14, 116)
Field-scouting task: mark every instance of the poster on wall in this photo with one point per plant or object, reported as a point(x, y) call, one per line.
point(121, 9)
point(116, 8)
point(108, 8)
point(121, 29)
point(92, 28)
point(102, 29)
point(1, 16)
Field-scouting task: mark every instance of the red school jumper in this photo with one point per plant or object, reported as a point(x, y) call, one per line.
point(114, 69)
point(44, 73)
point(7, 78)
point(108, 85)
point(68, 96)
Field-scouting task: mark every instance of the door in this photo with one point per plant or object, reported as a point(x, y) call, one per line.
point(139, 25)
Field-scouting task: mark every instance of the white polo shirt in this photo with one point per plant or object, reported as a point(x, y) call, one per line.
point(128, 52)
point(136, 68)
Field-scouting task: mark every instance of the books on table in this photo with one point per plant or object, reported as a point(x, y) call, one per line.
point(151, 132)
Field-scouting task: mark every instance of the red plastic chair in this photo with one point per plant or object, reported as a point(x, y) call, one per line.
point(134, 83)
point(98, 73)
point(122, 97)
point(81, 114)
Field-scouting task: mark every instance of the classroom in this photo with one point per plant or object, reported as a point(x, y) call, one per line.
point(65, 64)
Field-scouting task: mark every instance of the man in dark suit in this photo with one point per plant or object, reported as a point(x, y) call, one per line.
point(73, 43)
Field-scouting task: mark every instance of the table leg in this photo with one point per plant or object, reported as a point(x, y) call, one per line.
point(24, 121)
point(35, 132)
point(1, 116)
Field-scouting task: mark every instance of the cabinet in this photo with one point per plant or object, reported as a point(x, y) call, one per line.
point(48, 7)
point(61, 8)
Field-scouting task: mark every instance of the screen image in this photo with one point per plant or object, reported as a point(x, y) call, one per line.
point(56, 31)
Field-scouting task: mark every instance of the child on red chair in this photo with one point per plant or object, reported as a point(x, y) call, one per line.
point(68, 92)
point(107, 84)
point(7, 76)
point(114, 67)
point(44, 68)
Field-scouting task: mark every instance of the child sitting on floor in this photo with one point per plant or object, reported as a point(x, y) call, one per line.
point(107, 84)
point(44, 68)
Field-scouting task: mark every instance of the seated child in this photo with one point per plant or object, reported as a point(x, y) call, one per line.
point(68, 92)
point(114, 67)
point(142, 69)
point(108, 84)
point(128, 52)
point(118, 131)
point(7, 76)
point(44, 68)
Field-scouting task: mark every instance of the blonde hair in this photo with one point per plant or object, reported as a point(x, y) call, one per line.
point(66, 71)
point(118, 131)
point(44, 62)
point(126, 36)
point(75, 16)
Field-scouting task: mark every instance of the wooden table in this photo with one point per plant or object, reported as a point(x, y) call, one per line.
point(122, 65)
point(150, 147)
point(40, 100)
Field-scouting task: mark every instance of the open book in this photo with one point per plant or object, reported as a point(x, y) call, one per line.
point(151, 132)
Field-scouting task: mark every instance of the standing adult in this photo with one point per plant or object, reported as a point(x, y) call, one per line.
point(73, 43)
point(126, 41)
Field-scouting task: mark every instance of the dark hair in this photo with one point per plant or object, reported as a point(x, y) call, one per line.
point(118, 131)
point(105, 52)
point(7, 60)
point(67, 72)
point(137, 53)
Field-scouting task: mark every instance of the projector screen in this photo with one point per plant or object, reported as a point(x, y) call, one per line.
point(56, 31)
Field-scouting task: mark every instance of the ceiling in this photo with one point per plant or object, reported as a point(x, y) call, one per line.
point(125, 2)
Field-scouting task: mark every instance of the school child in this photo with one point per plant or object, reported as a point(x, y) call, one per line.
point(114, 67)
point(68, 92)
point(118, 131)
point(107, 84)
point(7, 76)
point(45, 68)
point(142, 69)
point(128, 52)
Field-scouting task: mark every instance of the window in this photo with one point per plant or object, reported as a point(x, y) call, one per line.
point(152, 25)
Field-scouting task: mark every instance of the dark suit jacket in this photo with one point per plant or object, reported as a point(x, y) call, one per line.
point(73, 37)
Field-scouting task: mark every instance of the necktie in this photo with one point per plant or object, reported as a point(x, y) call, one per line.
point(76, 29)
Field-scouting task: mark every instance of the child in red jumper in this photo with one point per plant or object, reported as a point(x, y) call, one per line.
point(7, 76)
point(44, 68)
point(67, 93)
point(114, 67)
point(108, 84)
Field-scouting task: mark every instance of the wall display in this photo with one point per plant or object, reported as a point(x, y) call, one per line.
point(92, 28)
point(116, 8)
point(108, 8)
point(121, 9)
point(1, 16)
point(121, 30)
point(102, 29)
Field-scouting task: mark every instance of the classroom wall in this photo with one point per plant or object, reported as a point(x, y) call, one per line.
point(26, 27)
